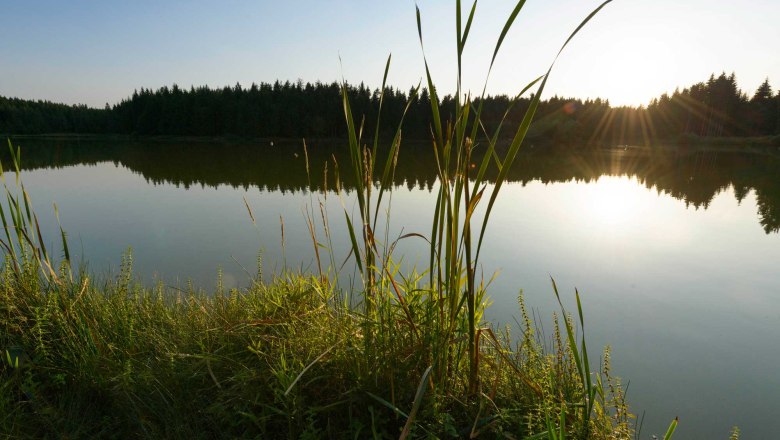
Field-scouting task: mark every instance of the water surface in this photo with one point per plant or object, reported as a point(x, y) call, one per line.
point(674, 252)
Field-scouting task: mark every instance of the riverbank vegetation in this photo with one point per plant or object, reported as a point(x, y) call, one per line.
point(285, 358)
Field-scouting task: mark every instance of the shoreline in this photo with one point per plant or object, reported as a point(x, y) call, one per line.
point(754, 144)
point(685, 139)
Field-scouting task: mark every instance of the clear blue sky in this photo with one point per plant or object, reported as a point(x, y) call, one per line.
point(95, 52)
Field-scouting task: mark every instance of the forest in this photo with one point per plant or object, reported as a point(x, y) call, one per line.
point(714, 108)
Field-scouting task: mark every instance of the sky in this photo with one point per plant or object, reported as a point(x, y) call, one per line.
point(98, 52)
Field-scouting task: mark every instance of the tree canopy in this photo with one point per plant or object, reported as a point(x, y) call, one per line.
point(716, 107)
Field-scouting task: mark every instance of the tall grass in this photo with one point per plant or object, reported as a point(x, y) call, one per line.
point(277, 360)
point(23, 244)
point(453, 296)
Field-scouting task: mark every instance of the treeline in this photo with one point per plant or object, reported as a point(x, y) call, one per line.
point(20, 116)
point(716, 107)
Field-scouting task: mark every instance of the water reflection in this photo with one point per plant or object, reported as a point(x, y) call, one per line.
point(694, 177)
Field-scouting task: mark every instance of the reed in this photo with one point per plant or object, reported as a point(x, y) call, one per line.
point(454, 297)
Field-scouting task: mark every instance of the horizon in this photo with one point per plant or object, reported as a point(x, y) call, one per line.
point(400, 89)
point(631, 53)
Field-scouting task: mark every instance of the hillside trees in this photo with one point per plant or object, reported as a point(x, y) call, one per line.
point(287, 109)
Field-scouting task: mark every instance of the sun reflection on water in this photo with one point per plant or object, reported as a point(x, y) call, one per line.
point(612, 201)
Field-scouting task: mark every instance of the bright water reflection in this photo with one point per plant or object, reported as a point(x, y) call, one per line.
point(675, 254)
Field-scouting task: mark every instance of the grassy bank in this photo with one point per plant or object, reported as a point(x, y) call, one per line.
point(283, 359)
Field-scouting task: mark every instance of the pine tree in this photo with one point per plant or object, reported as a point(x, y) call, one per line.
point(763, 110)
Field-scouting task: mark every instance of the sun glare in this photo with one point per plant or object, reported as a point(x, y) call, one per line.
point(612, 201)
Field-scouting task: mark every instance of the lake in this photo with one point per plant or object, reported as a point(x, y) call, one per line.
point(675, 252)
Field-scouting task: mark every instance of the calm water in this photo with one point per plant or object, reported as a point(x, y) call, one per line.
point(675, 254)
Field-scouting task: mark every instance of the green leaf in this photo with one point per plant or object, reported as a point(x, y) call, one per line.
point(670, 431)
point(355, 248)
point(505, 30)
point(418, 397)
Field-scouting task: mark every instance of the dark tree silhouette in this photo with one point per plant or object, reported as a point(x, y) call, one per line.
point(716, 107)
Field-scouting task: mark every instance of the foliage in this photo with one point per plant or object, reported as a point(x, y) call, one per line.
point(715, 108)
point(293, 110)
point(21, 116)
point(280, 360)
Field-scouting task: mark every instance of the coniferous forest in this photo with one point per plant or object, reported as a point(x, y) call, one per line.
point(714, 108)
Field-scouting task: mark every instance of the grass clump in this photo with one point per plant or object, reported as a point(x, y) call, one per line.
point(286, 359)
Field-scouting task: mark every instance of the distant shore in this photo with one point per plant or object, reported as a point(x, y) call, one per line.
point(686, 142)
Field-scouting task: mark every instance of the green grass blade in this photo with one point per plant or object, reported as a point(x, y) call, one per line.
point(590, 389)
point(458, 31)
point(355, 248)
point(570, 335)
point(15, 158)
point(389, 405)
point(582, 24)
point(670, 431)
point(508, 161)
point(6, 228)
point(311, 364)
point(40, 237)
point(468, 26)
point(539, 436)
point(354, 147)
point(64, 235)
point(381, 101)
point(419, 25)
point(494, 139)
point(525, 124)
point(434, 97)
point(562, 424)
point(418, 397)
point(433, 240)
point(26, 198)
point(505, 30)
point(394, 146)
point(431, 88)
point(552, 433)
